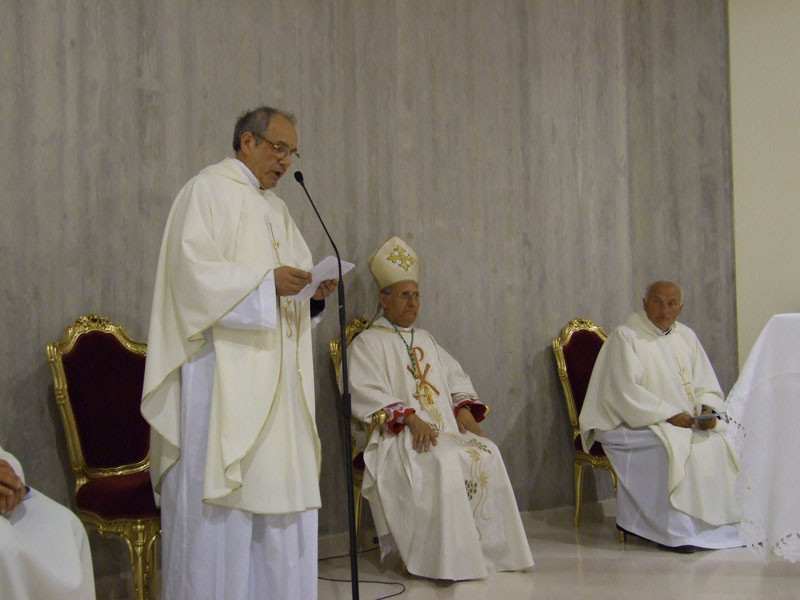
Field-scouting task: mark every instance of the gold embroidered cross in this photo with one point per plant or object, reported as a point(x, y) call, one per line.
point(424, 387)
point(401, 258)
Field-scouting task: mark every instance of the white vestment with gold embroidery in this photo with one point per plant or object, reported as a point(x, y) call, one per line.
point(641, 378)
point(229, 394)
point(450, 512)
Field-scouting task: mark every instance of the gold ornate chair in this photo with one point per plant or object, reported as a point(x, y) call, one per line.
point(361, 432)
point(576, 351)
point(98, 373)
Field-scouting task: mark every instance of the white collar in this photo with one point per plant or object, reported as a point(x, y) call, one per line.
point(249, 174)
point(654, 328)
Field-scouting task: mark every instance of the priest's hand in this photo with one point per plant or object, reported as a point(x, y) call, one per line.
point(708, 423)
point(12, 490)
point(681, 420)
point(289, 281)
point(422, 434)
point(466, 422)
point(325, 289)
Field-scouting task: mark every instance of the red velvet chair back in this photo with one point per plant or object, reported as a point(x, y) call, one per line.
point(580, 354)
point(104, 385)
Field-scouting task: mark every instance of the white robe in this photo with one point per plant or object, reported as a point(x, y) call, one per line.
point(641, 378)
point(44, 551)
point(223, 237)
point(450, 512)
point(241, 394)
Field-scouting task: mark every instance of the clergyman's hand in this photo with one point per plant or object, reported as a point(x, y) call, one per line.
point(325, 289)
point(466, 422)
point(12, 490)
point(681, 420)
point(289, 281)
point(708, 423)
point(422, 434)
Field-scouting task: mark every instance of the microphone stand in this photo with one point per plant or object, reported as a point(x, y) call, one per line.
point(346, 404)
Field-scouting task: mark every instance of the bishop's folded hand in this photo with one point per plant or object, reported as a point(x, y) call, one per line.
point(423, 436)
point(466, 422)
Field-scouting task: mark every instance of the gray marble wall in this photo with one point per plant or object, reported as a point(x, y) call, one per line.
point(546, 158)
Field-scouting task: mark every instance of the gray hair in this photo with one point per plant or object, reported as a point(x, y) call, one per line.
point(662, 282)
point(256, 121)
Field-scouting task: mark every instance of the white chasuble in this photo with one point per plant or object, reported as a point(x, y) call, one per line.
point(450, 512)
point(643, 377)
point(223, 237)
point(44, 551)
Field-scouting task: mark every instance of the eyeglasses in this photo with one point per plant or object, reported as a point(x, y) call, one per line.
point(407, 296)
point(281, 150)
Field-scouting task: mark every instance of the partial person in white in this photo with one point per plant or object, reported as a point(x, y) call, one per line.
point(44, 551)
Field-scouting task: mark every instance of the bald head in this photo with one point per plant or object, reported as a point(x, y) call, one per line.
point(662, 302)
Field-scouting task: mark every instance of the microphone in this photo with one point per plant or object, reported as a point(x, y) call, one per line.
point(298, 177)
point(346, 404)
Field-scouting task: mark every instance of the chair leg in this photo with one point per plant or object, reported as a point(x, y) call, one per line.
point(578, 492)
point(141, 540)
point(357, 506)
point(151, 565)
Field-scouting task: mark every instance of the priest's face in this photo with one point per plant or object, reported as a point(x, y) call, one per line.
point(663, 304)
point(259, 152)
point(401, 304)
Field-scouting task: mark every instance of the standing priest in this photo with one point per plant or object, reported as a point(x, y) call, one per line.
point(229, 386)
point(651, 403)
point(437, 487)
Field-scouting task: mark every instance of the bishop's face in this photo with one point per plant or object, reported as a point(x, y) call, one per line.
point(259, 154)
point(401, 305)
point(663, 305)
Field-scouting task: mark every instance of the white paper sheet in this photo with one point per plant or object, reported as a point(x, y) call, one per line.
point(324, 270)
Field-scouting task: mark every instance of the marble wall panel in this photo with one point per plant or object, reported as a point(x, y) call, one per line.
point(547, 159)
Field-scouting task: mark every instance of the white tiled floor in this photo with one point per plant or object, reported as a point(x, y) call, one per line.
point(587, 563)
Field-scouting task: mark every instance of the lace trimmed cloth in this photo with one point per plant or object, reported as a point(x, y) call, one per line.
point(764, 412)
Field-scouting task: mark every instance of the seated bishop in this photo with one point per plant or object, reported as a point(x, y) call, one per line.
point(652, 403)
point(44, 551)
point(436, 486)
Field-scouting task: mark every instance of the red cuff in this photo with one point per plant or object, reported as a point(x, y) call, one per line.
point(478, 409)
point(393, 425)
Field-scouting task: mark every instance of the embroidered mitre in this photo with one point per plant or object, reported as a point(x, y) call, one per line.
point(395, 261)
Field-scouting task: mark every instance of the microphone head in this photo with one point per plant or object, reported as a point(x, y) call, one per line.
point(298, 177)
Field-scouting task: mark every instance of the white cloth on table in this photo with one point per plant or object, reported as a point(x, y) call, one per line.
point(44, 550)
point(642, 377)
point(764, 408)
point(450, 512)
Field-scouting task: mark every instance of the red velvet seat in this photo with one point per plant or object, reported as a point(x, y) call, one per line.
point(576, 351)
point(98, 373)
point(122, 497)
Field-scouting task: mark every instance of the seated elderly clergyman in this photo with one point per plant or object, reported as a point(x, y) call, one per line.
point(44, 551)
point(650, 403)
point(437, 487)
